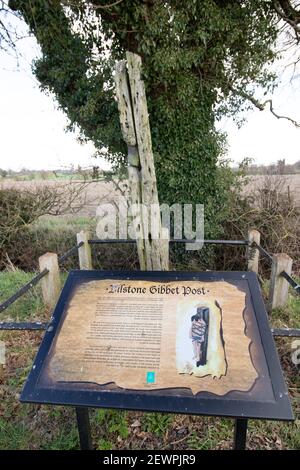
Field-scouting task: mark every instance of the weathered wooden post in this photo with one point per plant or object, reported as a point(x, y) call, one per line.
point(51, 285)
point(134, 177)
point(132, 103)
point(2, 359)
point(279, 287)
point(165, 248)
point(84, 251)
point(252, 252)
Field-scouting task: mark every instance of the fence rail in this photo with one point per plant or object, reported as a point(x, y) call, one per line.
point(70, 252)
point(23, 326)
point(175, 240)
point(40, 326)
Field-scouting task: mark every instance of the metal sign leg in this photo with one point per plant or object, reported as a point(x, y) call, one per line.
point(240, 433)
point(84, 428)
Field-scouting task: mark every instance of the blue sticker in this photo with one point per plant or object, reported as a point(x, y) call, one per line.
point(150, 377)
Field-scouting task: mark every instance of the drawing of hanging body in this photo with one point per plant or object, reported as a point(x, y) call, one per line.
point(200, 348)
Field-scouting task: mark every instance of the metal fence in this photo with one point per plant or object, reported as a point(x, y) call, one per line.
point(250, 245)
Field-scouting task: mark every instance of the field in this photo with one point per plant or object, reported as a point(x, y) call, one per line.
point(288, 184)
point(95, 193)
point(91, 194)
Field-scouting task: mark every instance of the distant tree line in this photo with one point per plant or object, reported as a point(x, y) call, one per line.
point(278, 168)
point(26, 174)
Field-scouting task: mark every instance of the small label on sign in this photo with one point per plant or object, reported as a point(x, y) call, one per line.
point(150, 378)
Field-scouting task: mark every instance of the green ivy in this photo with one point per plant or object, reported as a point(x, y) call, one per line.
point(197, 57)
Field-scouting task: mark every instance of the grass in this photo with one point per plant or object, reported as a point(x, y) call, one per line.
point(45, 427)
point(29, 306)
point(156, 423)
point(288, 316)
point(64, 223)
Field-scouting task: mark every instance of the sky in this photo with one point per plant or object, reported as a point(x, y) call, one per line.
point(32, 128)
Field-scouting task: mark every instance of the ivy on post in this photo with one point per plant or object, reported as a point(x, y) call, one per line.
point(132, 104)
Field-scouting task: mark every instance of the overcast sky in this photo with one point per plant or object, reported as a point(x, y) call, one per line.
point(32, 128)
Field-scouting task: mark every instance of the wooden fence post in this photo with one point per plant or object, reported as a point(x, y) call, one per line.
point(279, 287)
point(51, 282)
point(2, 359)
point(165, 248)
point(253, 253)
point(84, 251)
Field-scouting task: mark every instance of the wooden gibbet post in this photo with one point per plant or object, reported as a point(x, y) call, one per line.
point(279, 287)
point(84, 251)
point(165, 248)
point(134, 177)
point(51, 285)
point(252, 252)
point(132, 103)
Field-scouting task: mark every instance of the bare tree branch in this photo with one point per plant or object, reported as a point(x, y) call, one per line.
point(262, 106)
point(103, 7)
point(289, 14)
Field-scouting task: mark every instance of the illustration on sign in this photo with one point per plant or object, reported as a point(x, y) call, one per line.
point(201, 352)
point(196, 343)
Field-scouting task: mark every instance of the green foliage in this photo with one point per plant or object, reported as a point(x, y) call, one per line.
point(64, 439)
point(288, 315)
point(208, 438)
point(30, 305)
point(156, 423)
point(17, 211)
point(200, 60)
point(13, 436)
point(105, 445)
point(114, 422)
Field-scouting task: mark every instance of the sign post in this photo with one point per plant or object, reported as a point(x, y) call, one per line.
point(176, 342)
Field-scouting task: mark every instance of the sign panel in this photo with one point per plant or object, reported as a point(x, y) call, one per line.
point(165, 341)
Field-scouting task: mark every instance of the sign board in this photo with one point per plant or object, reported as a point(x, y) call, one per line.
point(179, 342)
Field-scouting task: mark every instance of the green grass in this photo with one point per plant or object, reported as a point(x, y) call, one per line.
point(30, 305)
point(288, 316)
point(63, 440)
point(114, 422)
point(156, 423)
point(207, 438)
point(13, 436)
point(64, 223)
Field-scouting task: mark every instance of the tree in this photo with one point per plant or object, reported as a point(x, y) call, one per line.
point(201, 60)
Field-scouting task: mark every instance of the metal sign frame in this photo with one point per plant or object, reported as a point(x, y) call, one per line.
point(89, 395)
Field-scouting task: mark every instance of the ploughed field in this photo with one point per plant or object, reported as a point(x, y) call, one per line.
point(92, 194)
